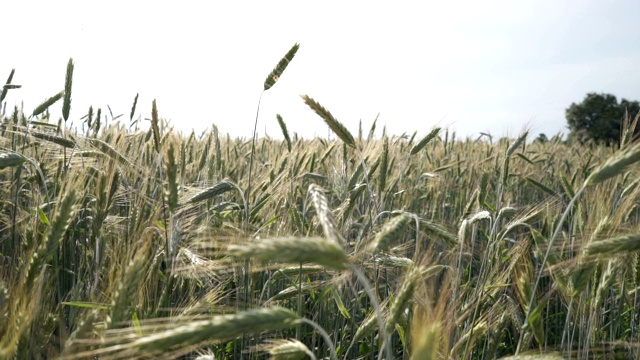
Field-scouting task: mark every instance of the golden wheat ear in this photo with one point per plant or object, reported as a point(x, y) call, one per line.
point(279, 69)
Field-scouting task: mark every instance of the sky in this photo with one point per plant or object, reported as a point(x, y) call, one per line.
point(470, 66)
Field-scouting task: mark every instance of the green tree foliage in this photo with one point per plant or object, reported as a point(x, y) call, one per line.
point(599, 117)
point(542, 138)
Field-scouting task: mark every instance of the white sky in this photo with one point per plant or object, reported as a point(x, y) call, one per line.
point(476, 66)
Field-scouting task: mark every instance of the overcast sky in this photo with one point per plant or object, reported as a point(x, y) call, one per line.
point(476, 66)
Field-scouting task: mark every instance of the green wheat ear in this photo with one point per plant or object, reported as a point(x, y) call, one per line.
point(285, 132)
point(11, 159)
point(133, 108)
point(211, 192)
point(425, 140)
point(45, 104)
point(66, 104)
point(615, 165)
point(390, 232)
point(293, 250)
point(8, 85)
point(279, 69)
point(154, 126)
point(335, 126)
point(172, 182)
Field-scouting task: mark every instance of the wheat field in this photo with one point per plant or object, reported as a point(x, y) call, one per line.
point(124, 243)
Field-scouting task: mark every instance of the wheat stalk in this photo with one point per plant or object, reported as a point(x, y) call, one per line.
point(271, 79)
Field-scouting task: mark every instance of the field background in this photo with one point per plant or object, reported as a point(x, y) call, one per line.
point(124, 243)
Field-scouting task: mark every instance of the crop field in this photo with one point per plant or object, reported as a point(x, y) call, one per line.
point(118, 243)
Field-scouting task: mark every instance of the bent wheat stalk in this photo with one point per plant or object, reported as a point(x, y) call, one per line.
point(271, 79)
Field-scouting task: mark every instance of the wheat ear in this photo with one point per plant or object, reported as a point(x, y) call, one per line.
point(290, 349)
point(324, 214)
point(11, 159)
point(425, 140)
point(45, 104)
point(627, 243)
point(293, 250)
point(275, 74)
point(403, 297)
point(285, 132)
point(66, 104)
point(335, 126)
point(390, 232)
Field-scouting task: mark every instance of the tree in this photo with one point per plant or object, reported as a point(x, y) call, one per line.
point(599, 117)
point(542, 138)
